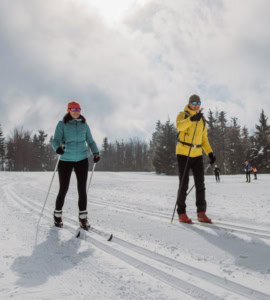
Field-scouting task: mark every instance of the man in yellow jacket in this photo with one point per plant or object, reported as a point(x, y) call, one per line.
point(192, 140)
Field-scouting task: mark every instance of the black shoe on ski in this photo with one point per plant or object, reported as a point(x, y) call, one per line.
point(57, 215)
point(84, 224)
point(58, 222)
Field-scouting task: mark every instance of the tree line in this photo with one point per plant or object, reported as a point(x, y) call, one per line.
point(231, 143)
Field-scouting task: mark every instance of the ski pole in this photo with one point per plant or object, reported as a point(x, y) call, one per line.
point(94, 165)
point(206, 169)
point(185, 170)
point(41, 213)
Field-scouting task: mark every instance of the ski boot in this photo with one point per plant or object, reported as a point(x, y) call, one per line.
point(202, 217)
point(57, 215)
point(183, 218)
point(84, 224)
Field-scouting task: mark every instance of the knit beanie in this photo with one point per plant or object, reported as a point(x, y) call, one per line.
point(73, 105)
point(194, 98)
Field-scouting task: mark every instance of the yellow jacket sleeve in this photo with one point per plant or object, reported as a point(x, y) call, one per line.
point(182, 123)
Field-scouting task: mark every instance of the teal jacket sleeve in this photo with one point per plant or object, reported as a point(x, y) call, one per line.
point(58, 138)
point(90, 141)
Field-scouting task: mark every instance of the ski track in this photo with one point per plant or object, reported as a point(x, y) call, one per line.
point(254, 232)
point(47, 269)
point(153, 263)
point(177, 283)
point(13, 219)
point(165, 217)
point(19, 202)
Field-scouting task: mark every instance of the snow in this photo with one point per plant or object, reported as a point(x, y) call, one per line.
point(148, 257)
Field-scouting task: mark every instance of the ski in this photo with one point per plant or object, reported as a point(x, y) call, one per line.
point(203, 223)
point(108, 236)
point(81, 233)
point(197, 223)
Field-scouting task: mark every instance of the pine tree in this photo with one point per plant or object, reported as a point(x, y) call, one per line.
point(51, 156)
point(260, 151)
point(129, 159)
point(2, 150)
point(146, 161)
point(164, 143)
point(40, 153)
point(119, 156)
point(19, 151)
point(222, 121)
point(217, 130)
point(235, 148)
point(105, 164)
point(213, 135)
point(142, 156)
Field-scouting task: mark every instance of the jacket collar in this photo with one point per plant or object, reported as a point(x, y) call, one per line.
point(75, 121)
point(189, 111)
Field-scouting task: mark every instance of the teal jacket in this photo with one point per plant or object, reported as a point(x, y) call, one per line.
point(75, 135)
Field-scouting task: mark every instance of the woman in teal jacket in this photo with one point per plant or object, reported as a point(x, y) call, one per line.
point(71, 140)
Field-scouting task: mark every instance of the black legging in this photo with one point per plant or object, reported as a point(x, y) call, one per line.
point(196, 165)
point(64, 171)
point(248, 176)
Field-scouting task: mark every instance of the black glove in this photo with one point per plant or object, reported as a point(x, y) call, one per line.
point(60, 150)
point(96, 158)
point(212, 158)
point(196, 117)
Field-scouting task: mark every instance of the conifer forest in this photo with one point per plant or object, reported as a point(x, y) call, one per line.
point(232, 144)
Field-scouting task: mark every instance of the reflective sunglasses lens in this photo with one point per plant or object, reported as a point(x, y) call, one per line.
point(75, 109)
point(196, 103)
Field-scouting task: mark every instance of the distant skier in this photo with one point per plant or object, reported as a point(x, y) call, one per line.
point(254, 170)
point(248, 170)
point(71, 138)
point(192, 140)
point(217, 172)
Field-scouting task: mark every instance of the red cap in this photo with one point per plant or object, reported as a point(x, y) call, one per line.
point(73, 105)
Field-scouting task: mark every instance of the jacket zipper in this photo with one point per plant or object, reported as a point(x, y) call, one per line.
point(76, 141)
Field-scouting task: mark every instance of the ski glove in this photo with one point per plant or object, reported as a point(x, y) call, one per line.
point(60, 150)
point(212, 158)
point(196, 117)
point(96, 158)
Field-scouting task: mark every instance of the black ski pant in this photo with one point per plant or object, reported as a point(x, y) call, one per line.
point(248, 176)
point(217, 177)
point(64, 171)
point(195, 164)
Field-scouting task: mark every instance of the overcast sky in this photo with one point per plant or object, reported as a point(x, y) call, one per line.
point(131, 63)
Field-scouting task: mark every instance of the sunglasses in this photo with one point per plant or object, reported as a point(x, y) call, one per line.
point(75, 109)
point(196, 103)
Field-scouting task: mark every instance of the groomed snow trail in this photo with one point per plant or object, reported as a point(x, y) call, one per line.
point(129, 267)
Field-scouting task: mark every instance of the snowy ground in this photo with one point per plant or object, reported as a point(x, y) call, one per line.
point(148, 258)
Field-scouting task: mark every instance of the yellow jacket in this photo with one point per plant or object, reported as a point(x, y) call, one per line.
point(186, 128)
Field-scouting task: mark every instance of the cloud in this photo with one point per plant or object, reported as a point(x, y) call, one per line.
point(215, 48)
point(129, 77)
point(67, 52)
